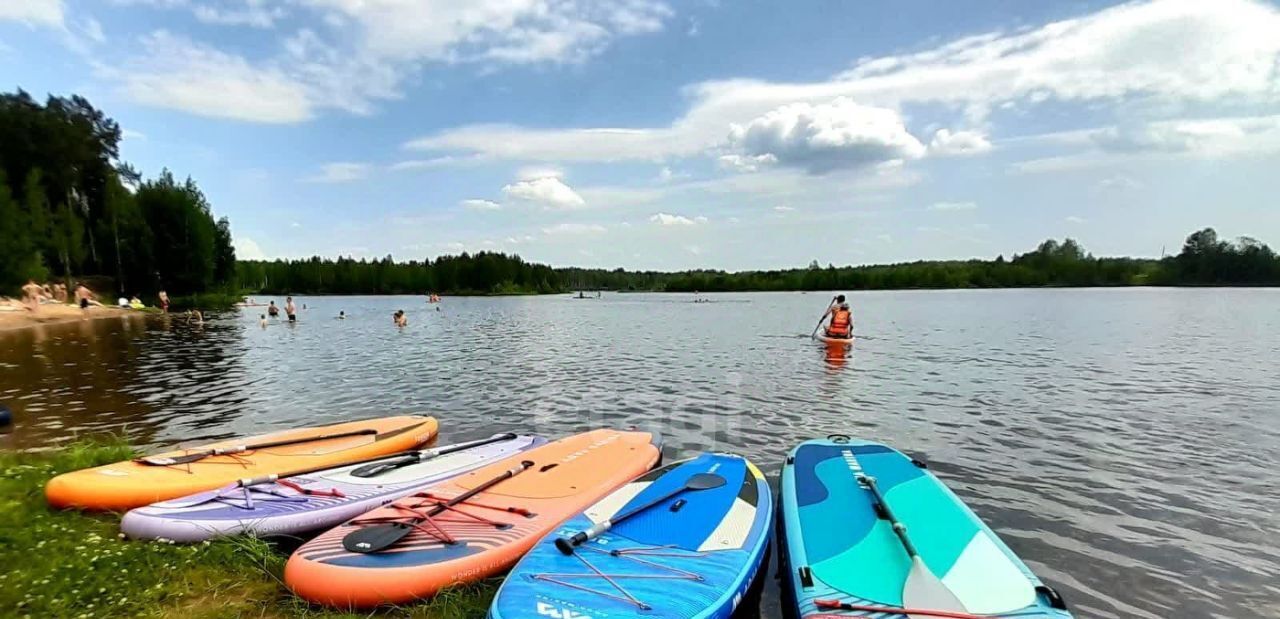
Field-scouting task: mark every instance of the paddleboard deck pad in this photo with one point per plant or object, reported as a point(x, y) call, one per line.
point(444, 544)
point(839, 550)
point(693, 555)
point(311, 502)
point(131, 483)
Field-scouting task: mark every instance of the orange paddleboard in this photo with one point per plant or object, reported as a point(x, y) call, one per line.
point(484, 535)
point(131, 483)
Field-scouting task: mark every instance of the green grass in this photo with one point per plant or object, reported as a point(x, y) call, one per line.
point(70, 564)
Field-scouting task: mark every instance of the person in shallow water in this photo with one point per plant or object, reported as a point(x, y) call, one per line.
point(841, 324)
point(262, 320)
point(400, 319)
point(272, 310)
point(342, 315)
point(290, 309)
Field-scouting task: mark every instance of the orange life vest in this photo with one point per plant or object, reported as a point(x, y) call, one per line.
point(840, 323)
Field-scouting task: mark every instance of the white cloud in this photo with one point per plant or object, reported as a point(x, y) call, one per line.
point(294, 224)
point(423, 164)
point(481, 205)
point(130, 134)
point(884, 238)
point(665, 219)
point(1227, 51)
point(744, 163)
point(511, 31)
point(574, 229)
point(341, 172)
point(953, 206)
point(248, 249)
point(945, 142)
point(1120, 183)
point(47, 13)
point(179, 74)
point(1072, 219)
point(784, 209)
point(548, 191)
point(253, 13)
point(828, 136)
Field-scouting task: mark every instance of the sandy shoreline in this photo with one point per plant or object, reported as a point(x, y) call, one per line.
point(51, 313)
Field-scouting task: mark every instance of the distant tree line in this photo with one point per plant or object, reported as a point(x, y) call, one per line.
point(70, 208)
point(1204, 260)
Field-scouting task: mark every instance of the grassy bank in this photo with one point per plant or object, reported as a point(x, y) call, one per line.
point(69, 564)
point(205, 301)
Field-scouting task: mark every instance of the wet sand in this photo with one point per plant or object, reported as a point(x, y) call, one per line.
point(58, 313)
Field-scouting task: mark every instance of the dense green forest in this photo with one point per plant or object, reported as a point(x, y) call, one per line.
point(70, 208)
point(1204, 260)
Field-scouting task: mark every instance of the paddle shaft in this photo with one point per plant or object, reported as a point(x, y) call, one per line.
point(566, 545)
point(222, 451)
point(824, 317)
point(439, 509)
point(421, 455)
point(838, 605)
point(899, 529)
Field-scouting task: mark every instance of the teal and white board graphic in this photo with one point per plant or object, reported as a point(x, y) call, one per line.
point(840, 548)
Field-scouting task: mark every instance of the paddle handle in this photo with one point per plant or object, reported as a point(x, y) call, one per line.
point(567, 544)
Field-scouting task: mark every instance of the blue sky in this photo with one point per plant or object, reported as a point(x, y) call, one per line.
point(670, 135)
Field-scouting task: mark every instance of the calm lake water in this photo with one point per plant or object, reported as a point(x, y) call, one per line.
point(1124, 442)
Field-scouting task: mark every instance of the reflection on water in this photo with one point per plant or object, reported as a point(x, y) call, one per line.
point(1124, 442)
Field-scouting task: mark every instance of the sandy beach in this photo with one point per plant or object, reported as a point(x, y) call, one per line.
point(57, 313)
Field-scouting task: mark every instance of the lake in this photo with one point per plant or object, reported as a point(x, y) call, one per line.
point(1124, 442)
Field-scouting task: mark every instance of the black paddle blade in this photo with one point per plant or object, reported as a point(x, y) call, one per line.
point(173, 460)
point(704, 481)
point(378, 468)
point(375, 538)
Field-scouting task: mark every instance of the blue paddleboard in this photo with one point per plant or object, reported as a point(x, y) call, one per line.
point(693, 555)
point(838, 549)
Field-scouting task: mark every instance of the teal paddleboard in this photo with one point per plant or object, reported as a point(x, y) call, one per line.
point(841, 557)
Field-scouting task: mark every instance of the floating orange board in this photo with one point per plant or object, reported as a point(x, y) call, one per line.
point(129, 484)
point(481, 537)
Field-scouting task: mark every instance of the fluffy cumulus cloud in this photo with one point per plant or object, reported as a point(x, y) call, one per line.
point(666, 219)
point(341, 172)
point(248, 249)
point(946, 142)
point(47, 13)
point(481, 205)
point(825, 137)
point(1227, 52)
point(547, 191)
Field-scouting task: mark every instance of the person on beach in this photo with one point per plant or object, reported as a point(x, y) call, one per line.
point(290, 309)
point(84, 296)
point(136, 303)
point(272, 310)
point(60, 292)
point(164, 301)
point(31, 295)
point(400, 319)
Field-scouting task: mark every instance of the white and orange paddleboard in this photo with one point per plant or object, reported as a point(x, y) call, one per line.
point(508, 506)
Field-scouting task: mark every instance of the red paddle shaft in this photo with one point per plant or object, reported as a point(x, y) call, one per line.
point(838, 605)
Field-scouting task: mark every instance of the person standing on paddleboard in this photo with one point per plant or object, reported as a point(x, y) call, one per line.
point(841, 324)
